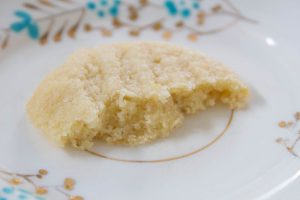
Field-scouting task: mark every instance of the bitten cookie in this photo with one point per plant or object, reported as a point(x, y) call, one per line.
point(129, 93)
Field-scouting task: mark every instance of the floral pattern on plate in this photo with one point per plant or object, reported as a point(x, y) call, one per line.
point(175, 16)
point(18, 186)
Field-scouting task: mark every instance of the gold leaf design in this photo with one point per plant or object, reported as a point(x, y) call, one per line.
point(47, 3)
point(105, 32)
point(167, 35)
point(157, 26)
point(290, 123)
point(76, 198)
point(133, 13)
point(73, 30)
point(134, 33)
point(282, 124)
point(290, 144)
point(5, 41)
point(179, 24)
point(43, 172)
point(280, 140)
point(117, 23)
point(192, 37)
point(216, 8)
point(87, 27)
point(201, 21)
point(297, 115)
point(44, 38)
point(39, 176)
point(69, 183)
point(58, 35)
point(15, 181)
point(144, 2)
point(31, 6)
point(41, 190)
point(67, 1)
point(201, 17)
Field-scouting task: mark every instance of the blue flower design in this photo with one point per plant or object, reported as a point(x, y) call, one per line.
point(25, 194)
point(185, 13)
point(9, 192)
point(171, 7)
point(196, 5)
point(26, 23)
point(183, 8)
point(23, 191)
point(22, 196)
point(114, 11)
point(105, 7)
point(101, 13)
point(103, 2)
point(91, 5)
point(39, 198)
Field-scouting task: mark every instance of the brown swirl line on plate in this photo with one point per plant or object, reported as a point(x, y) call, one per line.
point(171, 158)
point(290, 144)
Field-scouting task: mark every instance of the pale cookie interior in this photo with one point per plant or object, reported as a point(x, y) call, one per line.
point(129, 93)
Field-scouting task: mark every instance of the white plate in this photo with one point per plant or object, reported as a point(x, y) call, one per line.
point(217, 154)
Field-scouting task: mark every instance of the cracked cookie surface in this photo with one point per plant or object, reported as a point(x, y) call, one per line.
point(129, 93)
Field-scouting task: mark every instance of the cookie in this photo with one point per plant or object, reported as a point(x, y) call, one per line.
point(129, 93)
